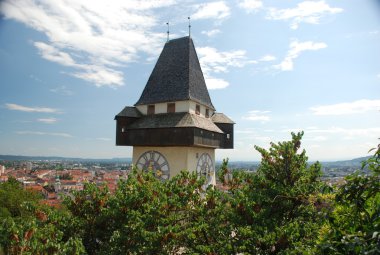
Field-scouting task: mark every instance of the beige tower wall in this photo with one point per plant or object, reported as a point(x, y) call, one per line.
point(179, 158)
point(180, 106)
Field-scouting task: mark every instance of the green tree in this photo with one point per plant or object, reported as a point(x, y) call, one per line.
point(147, 216)
point(90, 219)
point(13, 197)
point(354, 224)
point(38, 234)
point(27, 227)
point(276, 208)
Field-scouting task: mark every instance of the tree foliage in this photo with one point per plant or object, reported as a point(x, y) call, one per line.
point(283, 208)
point(354, 224)
point(147, 216)
point(13, 199)
point(276, 210)
point(27, 227)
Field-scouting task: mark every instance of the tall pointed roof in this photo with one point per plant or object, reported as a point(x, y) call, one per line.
point(176, 76)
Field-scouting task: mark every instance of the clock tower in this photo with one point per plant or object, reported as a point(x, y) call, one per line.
point(174, 125)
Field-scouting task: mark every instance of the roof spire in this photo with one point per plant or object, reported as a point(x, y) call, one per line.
point(189, 25)
point(177, 76)
point(167, 40)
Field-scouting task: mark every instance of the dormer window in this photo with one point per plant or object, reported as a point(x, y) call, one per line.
point(207, 114)
point(197, 109)
point(171, 107)
point(151, 109)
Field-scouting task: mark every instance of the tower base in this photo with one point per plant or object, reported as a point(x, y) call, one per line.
point(169, 161)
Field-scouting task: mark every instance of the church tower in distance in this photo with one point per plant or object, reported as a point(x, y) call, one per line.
point(174, 126)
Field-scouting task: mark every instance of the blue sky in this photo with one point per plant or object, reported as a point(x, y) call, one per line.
point(67, 67)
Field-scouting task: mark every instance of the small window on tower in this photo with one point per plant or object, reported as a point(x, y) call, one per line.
point(123, 129)
point(207, 113)
point(171, 107)
point(228, 136)
point(197, 109)
point(151, 109)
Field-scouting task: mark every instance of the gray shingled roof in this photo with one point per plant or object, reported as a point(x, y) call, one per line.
point(176, 76)
point(129, 111)
point(219, 117)
point(170, 120)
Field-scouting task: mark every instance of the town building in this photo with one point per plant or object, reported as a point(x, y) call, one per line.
point(174, 125)
point(29, 166)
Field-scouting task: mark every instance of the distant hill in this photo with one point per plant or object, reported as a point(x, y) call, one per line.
point(356, 162)
point(56, 158)
point(339, 169)
point(330, 168)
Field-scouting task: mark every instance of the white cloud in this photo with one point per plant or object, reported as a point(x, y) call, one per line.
point(22, 108)
point(308, 12)
point(211, 33)
point(218, 61)
point(213, 62)
point(43, 133)
point(256, 115)
point(267, 58)
point(94, 38)
point(53, 54)
point(215, 83)
point(62, 90)
point(101, 76)
point(215, 10)
point(360, 106)
point(48, 120)
point(295, 49)
point(250, 5)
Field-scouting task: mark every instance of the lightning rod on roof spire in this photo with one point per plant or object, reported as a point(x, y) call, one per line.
point(167, 23)
point(189, 25)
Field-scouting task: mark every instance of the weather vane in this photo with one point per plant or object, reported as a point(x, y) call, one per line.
point(189, 25)
point(167, 23)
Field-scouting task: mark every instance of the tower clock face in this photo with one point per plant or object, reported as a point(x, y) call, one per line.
point(205, 167)
point(155, 162)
